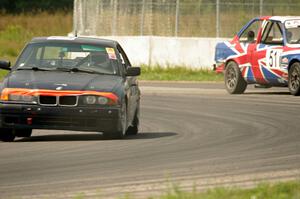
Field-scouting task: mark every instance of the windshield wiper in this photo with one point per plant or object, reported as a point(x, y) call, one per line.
point(63, 69)
point(34, 68)
point(80, 70)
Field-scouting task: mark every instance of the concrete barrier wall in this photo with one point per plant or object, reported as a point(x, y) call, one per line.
point(169, 51)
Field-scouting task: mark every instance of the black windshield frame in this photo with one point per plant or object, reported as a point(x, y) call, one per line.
point(32, 48)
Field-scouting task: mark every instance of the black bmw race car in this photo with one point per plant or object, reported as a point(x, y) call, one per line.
point(70, 83)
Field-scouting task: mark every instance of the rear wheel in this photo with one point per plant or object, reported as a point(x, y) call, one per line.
point(234, 82)
point(23, 132)
point(294, 79)
point(121, 132)
point(7, 135)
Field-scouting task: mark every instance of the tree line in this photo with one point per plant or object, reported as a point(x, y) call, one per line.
point(35, 6)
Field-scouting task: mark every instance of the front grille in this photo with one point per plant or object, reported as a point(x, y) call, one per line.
point(48, 100)
point(55, 100)
point(68, 100)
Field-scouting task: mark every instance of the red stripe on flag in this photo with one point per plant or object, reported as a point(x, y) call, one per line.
point(280, 73)
point(258, 75)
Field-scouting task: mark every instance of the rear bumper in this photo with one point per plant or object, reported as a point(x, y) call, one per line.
point(102, 119)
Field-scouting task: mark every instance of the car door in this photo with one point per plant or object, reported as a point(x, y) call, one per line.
point(245, 45)
point(266, 56)
point(131, 85)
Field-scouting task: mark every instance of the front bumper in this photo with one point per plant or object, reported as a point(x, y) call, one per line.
point(219, 67)
point(101, 119)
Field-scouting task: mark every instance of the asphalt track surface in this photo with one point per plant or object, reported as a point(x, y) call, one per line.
point(192, 135)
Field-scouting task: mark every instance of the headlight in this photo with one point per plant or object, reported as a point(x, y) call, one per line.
point(14, 97)
point(90, 99)
point(28, 98)
point(21, 98)
point(102, 100)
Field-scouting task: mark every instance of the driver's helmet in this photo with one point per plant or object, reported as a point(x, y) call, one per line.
point(98, 58)
point(251, 36)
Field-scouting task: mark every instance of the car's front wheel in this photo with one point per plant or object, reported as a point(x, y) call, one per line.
point(234, 81)
point(122, 126)
point(294, 79)
point(7, 135)
point(134, 129)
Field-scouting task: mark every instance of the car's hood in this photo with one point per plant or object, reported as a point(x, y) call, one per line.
point(58, 80)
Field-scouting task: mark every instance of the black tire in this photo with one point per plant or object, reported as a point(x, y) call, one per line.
point(7, 135)
point(134, 129)
point(294, 79)
point(23, 132)
point(234, 82)
point(121, 132)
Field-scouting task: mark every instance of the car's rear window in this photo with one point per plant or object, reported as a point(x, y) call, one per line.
point(101, 59)
point(292, 31)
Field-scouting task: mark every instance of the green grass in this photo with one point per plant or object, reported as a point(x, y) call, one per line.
point(281, 190)
point(286, 190)
point(2, 73)
point(179, 73)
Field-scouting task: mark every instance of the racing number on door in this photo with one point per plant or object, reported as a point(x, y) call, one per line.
point(273, 58)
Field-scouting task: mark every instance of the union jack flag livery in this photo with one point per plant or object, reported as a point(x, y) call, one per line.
point(265, 51)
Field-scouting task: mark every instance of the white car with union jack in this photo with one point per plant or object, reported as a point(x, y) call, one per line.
point(266, 51)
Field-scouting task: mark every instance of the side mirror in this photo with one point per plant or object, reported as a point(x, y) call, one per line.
point(5, 65)
point(133, 71)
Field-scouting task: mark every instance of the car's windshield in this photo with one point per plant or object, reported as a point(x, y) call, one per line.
point(292, 28)
point(67, 57)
